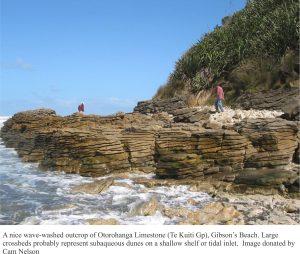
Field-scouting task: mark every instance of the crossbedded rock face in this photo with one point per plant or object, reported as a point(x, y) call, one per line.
point(199, 153)
point(89, 153)
point(88, 145)
point(139, 145)
point(155, 106)
point(254, 152)
point(273, 140)
point(92, 145)
point(29, 131)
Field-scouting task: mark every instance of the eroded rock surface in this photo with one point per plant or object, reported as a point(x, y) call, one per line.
point(85, 144)
point(181, 145)
point(278, 99)
point(155, 106)
point(103, 221)
point(95, 187)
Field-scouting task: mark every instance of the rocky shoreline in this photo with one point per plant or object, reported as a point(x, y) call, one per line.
point(241, 159)
point(223, 208)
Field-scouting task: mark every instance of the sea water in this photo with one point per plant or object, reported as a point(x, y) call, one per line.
point(29, 195)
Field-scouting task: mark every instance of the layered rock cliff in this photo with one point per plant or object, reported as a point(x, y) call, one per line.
point(181, 144)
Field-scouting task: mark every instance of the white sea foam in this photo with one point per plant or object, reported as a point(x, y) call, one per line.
point(115, 203)
point(3, 119)
point(32, 196)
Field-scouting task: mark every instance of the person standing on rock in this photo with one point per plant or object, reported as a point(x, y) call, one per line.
point(81, 108)
point(220, 98)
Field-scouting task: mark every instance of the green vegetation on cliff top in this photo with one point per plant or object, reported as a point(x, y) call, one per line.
point(248, 49)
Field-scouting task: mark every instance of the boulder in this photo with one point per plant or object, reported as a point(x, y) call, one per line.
point(101, 221)
point(145, 208)
point(292, 110)
point(95, 187)
point(181, 212)
point(156, 106)
point(273, 177)
point(214, 214)
point(191, 115)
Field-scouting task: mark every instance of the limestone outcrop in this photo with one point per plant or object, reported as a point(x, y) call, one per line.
point(191, 115)
point(183, 154)
point(181, 145)
point(278, 99)
point(164, 105)
point(87, 145)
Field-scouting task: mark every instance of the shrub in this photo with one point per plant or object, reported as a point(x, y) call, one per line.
point(263, 29)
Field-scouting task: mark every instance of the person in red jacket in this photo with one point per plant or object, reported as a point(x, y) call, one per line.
point(81, 108)
point(220, 98)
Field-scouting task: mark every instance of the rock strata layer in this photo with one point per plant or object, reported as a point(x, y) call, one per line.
point(180, 143)
point(155, 106)
point(279, 99)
